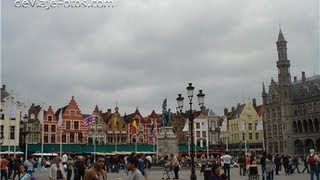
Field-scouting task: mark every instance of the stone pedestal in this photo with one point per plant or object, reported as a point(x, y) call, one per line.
point(167, 141)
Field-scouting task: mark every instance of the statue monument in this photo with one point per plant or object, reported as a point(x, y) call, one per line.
point(167, 140)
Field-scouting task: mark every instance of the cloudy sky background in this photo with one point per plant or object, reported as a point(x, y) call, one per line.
point(141, 51)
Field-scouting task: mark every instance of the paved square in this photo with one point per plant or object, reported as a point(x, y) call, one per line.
point(157, 172)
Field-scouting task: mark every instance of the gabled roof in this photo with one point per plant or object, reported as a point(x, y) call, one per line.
point(238, 111)
point(128, 118)
point(60, 110)
point(4, 93)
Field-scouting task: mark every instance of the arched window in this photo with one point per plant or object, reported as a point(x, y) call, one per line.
point(305, 126)
point(310, 124)
point(316, 125)
point(299, 127)
point(295, 128)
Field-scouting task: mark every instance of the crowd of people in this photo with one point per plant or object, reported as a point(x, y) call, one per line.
point(137, 166)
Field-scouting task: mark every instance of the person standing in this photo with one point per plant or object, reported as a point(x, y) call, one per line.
point(21, 174)
point(96, 172)
point(203, 162)
point(174, 163)
point(134, 174)
point(3, 167)
point(140, 164)
point(147, 164)
point(79, 168)
point(263, 164)
point(69, 168)
point(226, 164)
point(277, 162)
point(313, 160)
point(56, 171)
point(215, 173)
point(30, 165)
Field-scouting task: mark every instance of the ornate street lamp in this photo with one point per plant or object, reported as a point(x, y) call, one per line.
point(191, 117)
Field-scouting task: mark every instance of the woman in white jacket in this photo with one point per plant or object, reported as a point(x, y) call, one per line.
point(56, 171)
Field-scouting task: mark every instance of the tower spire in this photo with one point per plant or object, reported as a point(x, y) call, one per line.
point(280, 36)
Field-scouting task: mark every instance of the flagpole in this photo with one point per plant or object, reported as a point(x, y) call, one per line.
point(136, 149)
point(94, 142)
point(42, 139)
point(116, 142)
point(60, 142)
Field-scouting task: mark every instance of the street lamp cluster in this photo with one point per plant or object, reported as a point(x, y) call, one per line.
point(191, 117)
point(25, 133)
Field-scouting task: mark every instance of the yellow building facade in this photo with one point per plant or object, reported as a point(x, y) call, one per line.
point(242, 129)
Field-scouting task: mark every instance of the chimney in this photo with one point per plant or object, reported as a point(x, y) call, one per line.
point(303, 76)
point(109, 111)
point(225, 111)
point(254, 102)
point(233, 109)
point(3, 87)
point(295, 79)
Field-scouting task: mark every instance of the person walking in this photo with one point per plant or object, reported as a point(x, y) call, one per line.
point(203, 163)
point(215, 173)
point(226, 159)
point(30, 165)
point(269, 167)
point(263, 164)
point(277, 162)
point(56, 171)
point(242, 166)
point(305, 163)
point(313, 161)
point(96, 172)
point(295, 161)
point(134, 174)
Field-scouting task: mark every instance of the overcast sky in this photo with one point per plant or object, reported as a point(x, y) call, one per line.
point(141, 51)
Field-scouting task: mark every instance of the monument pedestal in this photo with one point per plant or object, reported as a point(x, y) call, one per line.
point(167, 141)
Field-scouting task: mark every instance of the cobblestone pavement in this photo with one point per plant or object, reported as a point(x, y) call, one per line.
point(157, 172)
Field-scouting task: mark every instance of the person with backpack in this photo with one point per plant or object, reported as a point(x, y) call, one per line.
point(313, 161)
point(269, 167)
point(21, 174)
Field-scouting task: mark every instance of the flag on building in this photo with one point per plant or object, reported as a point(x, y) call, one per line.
point(186, 127)
point(40, 116)
point(134, 127)
point(90, 120)
point(224, 124)
point(153, 129)
point(9, 107)
point(60, 120)
point(259, 125)
point(115, 122)
point(204, 126)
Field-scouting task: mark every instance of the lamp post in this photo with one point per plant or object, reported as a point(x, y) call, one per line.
point(25, 133)
point(1, 141)
point(191, 117)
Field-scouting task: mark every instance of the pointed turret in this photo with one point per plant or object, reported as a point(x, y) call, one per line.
point(281, 37)
point(264, 94)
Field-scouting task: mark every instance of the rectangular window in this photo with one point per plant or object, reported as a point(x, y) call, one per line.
point(46, 139)
point(80, 137)
point(257, 136)
point(53, 138)
point(53, 128)
point(64, 138)
point(71, 137)
point(46, 128)
point(109, 138)
point(2, 114)
point(198, 134)
point(250, 126)
point(1, 130)
point(123, 138)
point(275, 132)
point(49, 118)
point(12, 132)
point(250, 136)
point(76, 124)
point(68, 124)
point(204, 134)
point(198, 125)
point(73, 112)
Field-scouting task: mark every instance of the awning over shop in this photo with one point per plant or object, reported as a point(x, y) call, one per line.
point(83, 148)
point(12, 148)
